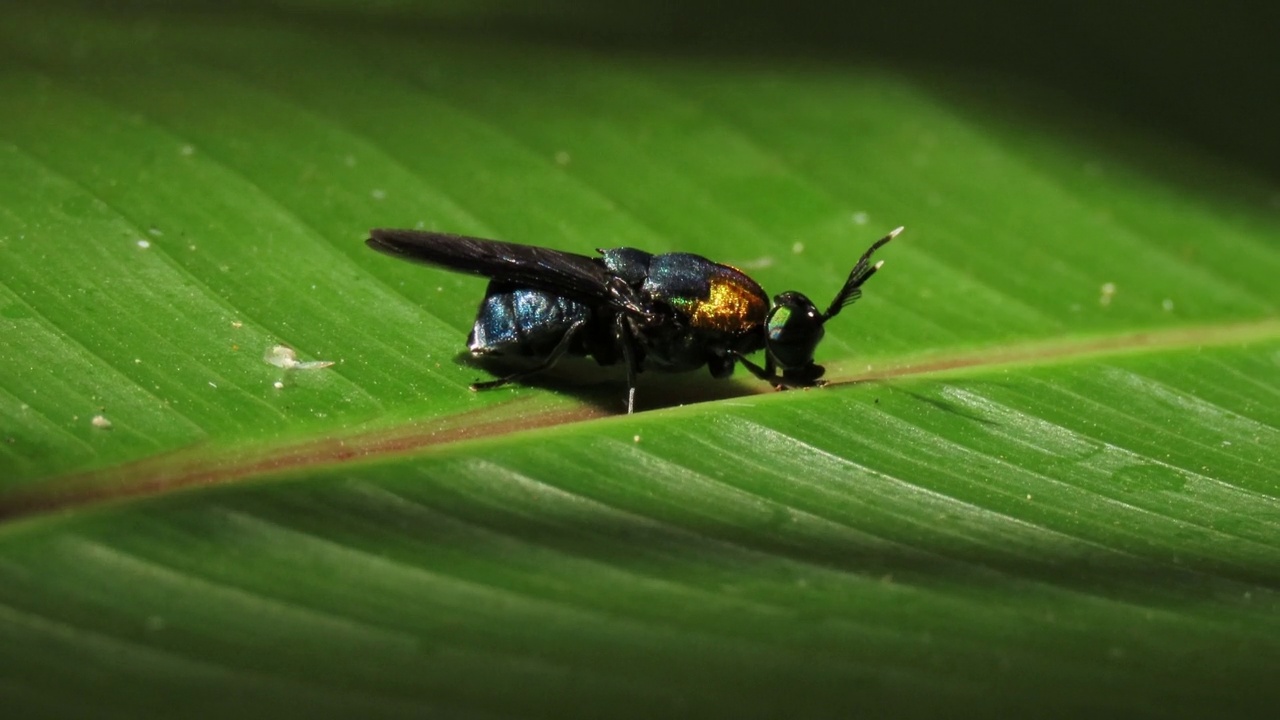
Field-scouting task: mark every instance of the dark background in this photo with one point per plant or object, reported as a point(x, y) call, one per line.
point(1207, 73)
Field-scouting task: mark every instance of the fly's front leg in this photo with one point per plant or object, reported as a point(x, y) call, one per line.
point(768, 373)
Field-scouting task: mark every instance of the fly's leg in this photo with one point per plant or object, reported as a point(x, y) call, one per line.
point(552, 358)
point(623, 331)
point(624, 297)
point(769, 374)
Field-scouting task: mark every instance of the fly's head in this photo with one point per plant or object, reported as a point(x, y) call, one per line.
point(795, 325)
point(792, 332)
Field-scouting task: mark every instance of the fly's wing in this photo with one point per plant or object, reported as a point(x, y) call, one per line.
point(522, 265)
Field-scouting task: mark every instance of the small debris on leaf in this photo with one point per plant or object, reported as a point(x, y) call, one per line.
point(285, 357)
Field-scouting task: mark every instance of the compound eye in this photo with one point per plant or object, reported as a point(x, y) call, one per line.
point(794, 329)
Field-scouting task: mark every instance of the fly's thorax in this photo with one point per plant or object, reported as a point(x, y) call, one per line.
point(730, 307)
point(630, 264)
point(708, 297)
point(793, 331)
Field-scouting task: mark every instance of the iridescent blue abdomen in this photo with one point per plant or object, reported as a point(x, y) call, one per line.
point(523, 321)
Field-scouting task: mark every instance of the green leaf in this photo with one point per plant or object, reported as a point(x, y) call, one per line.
point(1041, 481)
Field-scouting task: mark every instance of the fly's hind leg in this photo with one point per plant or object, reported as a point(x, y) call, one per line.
point(623, 333)
point(552, 358)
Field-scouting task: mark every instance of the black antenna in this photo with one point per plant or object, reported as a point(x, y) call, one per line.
point(860, 273)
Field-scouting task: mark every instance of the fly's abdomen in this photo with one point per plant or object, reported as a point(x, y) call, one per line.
point(523, 321)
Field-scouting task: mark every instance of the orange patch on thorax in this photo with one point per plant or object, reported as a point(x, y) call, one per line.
point(730, 307)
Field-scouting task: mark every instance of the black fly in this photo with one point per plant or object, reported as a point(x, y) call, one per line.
point(671, 312)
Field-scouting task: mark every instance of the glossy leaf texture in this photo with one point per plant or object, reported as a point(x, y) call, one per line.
point(1043, 479)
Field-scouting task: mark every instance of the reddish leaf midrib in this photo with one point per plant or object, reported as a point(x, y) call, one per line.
point(204, 465)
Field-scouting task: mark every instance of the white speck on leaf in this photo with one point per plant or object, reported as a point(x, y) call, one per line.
point(758, 263)
point(101, 422)
point(1108, 291)
point(144, 244)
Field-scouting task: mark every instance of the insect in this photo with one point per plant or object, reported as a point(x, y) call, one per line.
point(671, 312)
